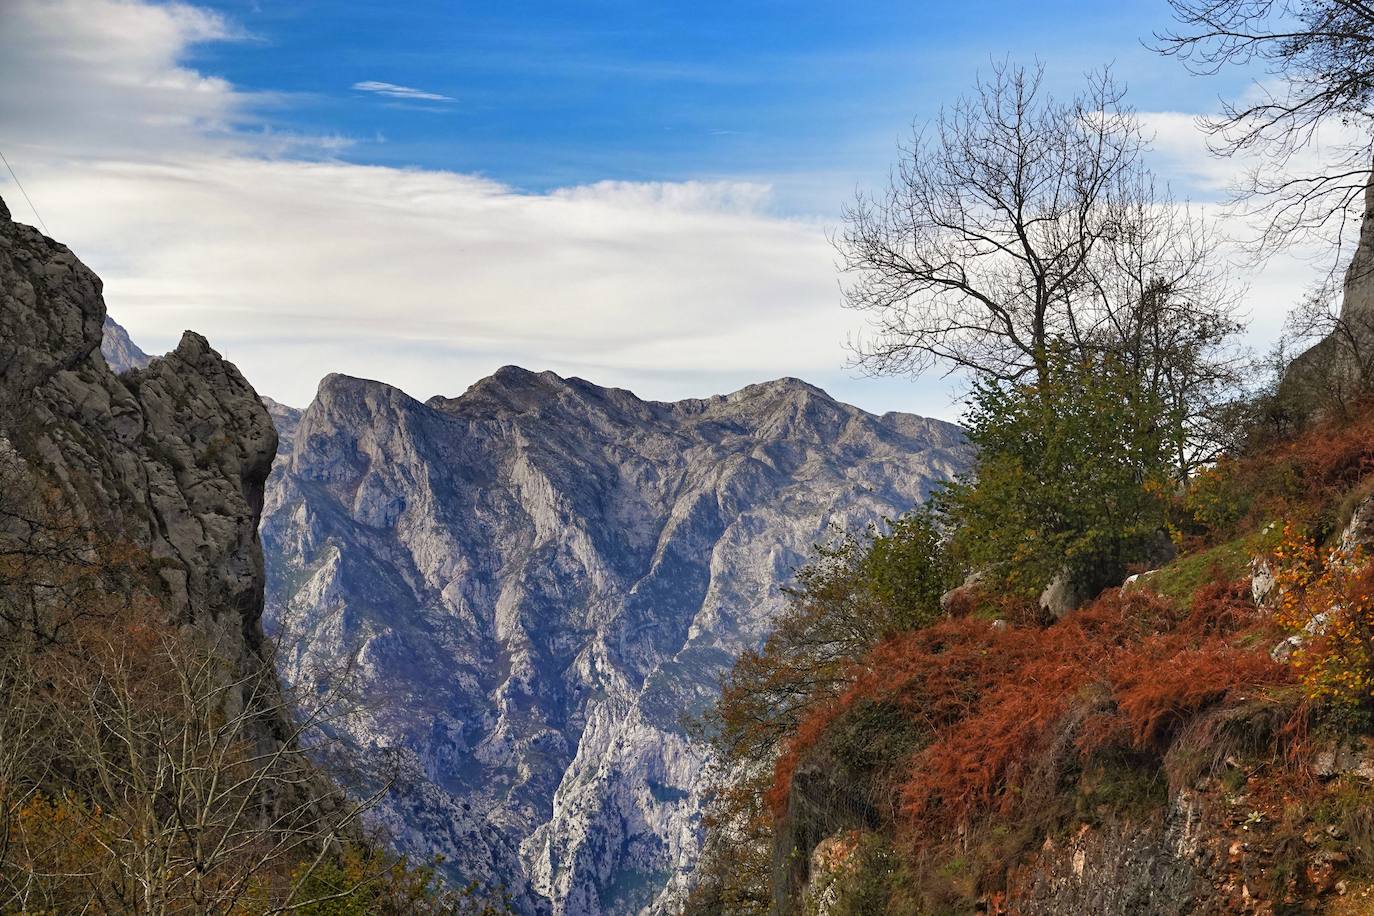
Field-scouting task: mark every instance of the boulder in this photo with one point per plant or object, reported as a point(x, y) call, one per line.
point(1263, 583)
point(1358, 535)
point(1066, 592)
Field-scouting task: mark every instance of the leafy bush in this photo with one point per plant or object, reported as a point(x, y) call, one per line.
point(1071, 472)
point(1327, 602)
point(1218, 498)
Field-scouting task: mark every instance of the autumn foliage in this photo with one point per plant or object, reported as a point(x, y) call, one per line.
point(975, 738)
point(1301, 480)
point(1326, 600)
point(1003, 705)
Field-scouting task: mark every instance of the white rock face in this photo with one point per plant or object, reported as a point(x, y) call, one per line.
point(539, 579)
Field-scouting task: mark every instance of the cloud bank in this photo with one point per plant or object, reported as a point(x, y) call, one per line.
point(198, 213)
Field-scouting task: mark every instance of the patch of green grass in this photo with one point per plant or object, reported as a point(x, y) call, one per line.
point(1121, 787)
point(1185, 575)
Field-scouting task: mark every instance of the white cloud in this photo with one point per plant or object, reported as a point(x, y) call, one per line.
point(427, 279)
point(391, 90)
point(82, 79)
point(197, 213)
point(431, 279)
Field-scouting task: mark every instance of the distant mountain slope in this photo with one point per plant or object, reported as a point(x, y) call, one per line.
point(539, 578)
point(120, 352)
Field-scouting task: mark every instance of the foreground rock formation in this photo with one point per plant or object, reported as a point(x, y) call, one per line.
point(1339, 368)
point(538, 579)
point(170, 457)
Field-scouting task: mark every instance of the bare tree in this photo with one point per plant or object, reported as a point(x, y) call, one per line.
point(1018, 225)
point(978, 254)
point(1166, 310)
point(156, 788)
point(1320, 56)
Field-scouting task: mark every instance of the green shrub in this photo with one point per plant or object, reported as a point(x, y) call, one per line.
point(1072, 472)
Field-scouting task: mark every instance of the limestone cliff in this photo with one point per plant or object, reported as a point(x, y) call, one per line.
point(1341, 365)
point(171, 457)
point(539, 578)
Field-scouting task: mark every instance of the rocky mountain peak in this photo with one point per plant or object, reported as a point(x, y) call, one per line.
point(540, 577)
point(337, 391)
point(510, 388)
point(784, 387)
point(119, 350)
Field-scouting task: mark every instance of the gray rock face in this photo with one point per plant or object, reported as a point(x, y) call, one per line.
point(1357, 302)
point(285, 419)
point(120, 352)
point(172, 457)
point(538, 579)
point(1358, 534)
point(1341, 366)
point(1123, 869)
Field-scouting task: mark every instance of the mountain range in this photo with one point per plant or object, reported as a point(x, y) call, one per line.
point(534, 583)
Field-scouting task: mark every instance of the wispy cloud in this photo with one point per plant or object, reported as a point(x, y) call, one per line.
point(391, 90)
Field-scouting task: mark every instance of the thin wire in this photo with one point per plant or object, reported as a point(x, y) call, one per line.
point(25, 193)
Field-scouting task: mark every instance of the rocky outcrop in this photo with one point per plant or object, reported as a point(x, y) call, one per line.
point(1121, 868)
point(825, 802)
point(1358, 535)
point(537, 580)
point(1075, 586)
point(1341, 365)
point(170, 458)
point(1358, 289)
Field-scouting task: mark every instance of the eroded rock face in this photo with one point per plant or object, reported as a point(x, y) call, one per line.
point(539, 578)
point(172, 457)
point(1122, 868)
point(1358, 535)
point(1358, 289)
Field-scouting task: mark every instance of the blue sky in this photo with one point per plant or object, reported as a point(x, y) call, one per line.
point(636, 193)
point(810, 96)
